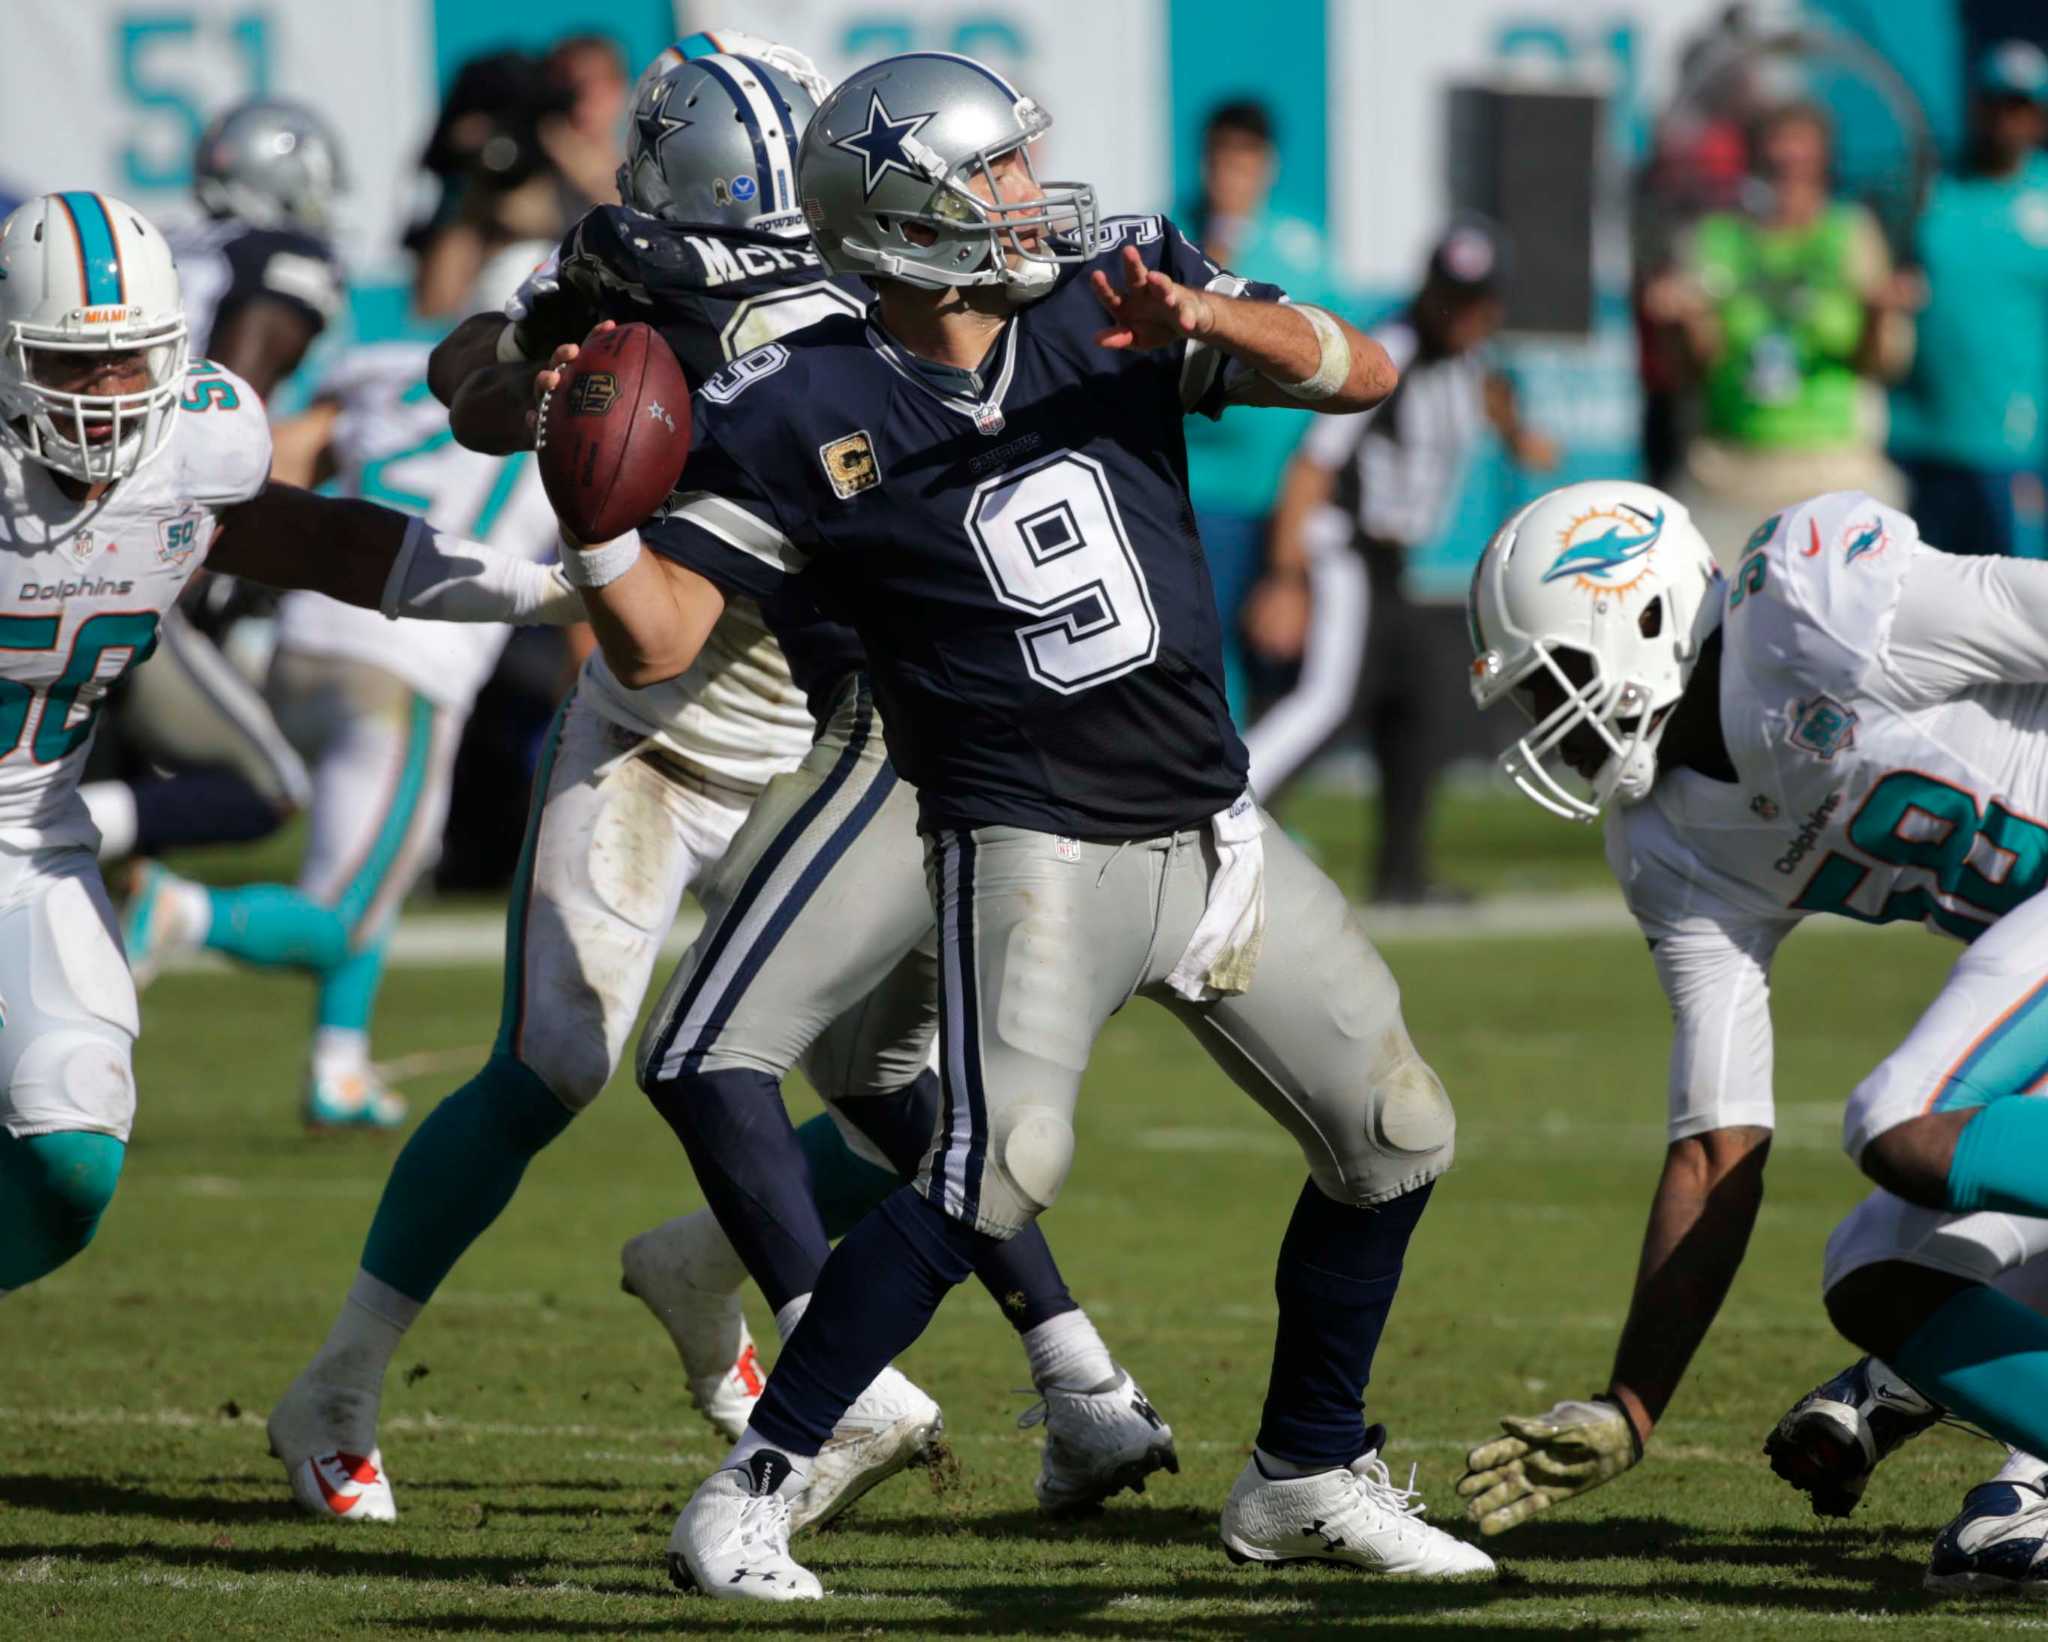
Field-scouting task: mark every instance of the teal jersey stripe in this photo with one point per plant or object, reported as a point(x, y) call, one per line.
point(2009, 1058)
point(522, 890)
point(105, 285)
point(368, 882)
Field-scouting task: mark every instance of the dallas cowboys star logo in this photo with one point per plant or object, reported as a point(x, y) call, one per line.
point(880, 147)
point(654, 119)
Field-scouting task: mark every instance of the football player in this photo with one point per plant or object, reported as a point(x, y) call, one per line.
point(377, 706)
point(125, 465)
point(986, 475)
point(640, 794)
point(1853, 724)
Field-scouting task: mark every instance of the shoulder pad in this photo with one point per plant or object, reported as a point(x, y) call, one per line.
point(223, 437)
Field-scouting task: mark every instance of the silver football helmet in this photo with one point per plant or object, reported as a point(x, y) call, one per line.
point(734, 43)
point(715, 141)
point(888, 168)
point(271, 164)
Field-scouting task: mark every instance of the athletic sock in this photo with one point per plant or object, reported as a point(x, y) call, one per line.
point(1338, 1272)
point(1985, 1357)
point(275, 927)
point(1065, 1351)
point(751, 1170)
point(874, 1297)
point(111, 804)
point(1024, 1280)
point(348, 991)
point(358, 1349)
point(789, 1314)
point(844, 1185)
point(339, 1052)
point(456, 1174)
point(53, 1190)
point(751, 1443)
point(2001, 1160)
point(1275, 1469)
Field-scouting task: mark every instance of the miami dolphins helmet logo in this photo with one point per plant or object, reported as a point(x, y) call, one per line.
point(1865, 539)
point(1608, 549)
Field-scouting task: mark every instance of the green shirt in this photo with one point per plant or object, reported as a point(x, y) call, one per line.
point(1980, 371)
point(1790, 306)
point(1235, 461)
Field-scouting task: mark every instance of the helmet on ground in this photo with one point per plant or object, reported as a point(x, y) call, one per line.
point(715, 141)
point(84, 276)
point(888, 169)
point(1588, 610)
point(271, 164)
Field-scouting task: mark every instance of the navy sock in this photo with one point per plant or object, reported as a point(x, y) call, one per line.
point(1020, 1275)
point(752, 1173)
point(874, 1297)
point(1339, 1268)
point(205, 807)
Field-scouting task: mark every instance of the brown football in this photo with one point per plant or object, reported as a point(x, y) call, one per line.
point(615, 433)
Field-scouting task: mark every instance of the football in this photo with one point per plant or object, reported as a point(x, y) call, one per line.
point(614, 433)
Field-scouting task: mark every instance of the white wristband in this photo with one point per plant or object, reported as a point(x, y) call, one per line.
point(595, 566)
point(1334, 368)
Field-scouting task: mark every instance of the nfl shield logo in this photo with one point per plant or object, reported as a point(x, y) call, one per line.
point(988, 419)
point(81, 547)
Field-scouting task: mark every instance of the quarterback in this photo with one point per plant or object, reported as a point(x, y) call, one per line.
point(125, 465)
point(1854, 723)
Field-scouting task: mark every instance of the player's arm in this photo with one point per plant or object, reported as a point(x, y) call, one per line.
point(1300, 356)
point(1701, 1217)
point(1276, 614)
point(471, 347)
point(371, 556)
point(1530, 449)
point(262, 341)
point(1966, 619)
point(302, 450)
point(650, 615)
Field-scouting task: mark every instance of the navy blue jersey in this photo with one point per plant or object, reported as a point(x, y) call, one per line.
point(224, 265)
point(713, 293)
point(1022, 563)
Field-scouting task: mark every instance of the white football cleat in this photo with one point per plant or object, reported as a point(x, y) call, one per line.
point(352, 1100)
point(317, 1431)
point(1097, 1443)
point(1353, 1515)
point(665, 1270)
point(890, 1426)
point(157, 921)
point(732, 1539)
point(1997, 1544)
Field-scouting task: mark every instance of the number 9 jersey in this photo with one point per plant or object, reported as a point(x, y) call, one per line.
point(1885, 706)
point(83, 585)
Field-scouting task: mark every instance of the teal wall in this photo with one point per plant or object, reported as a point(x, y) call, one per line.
point(463, 28)
point(1279, 53)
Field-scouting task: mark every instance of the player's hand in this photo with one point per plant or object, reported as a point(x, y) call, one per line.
point(1149, 310)
point(549, 376)
point(1545, 1458)
point(1276, 616)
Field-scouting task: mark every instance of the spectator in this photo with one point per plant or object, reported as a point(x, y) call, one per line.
point(588, 146)
point(1234, 464)
point(1967, 425)
point(1788, 315)
point(1383, 482)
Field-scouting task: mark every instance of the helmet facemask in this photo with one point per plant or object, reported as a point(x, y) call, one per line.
point(94, 437)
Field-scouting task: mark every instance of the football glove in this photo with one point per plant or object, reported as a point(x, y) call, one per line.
point(1545, 1458)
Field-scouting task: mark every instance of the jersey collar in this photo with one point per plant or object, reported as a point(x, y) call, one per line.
point(986, 412)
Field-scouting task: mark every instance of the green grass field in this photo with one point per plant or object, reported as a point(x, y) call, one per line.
point(541, 1444)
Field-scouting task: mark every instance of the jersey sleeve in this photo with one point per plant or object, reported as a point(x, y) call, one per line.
point(1715, 964)
point(1966, 620)
point(722, 522)
point(278, 265)
point(1207, 377)
point(223, 437)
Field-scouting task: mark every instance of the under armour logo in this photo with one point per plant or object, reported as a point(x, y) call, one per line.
point(766, 1470)
point(1331, 1542)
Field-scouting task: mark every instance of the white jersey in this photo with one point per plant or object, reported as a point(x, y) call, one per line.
point(85, 585)
point(392, 445)
point(1885, 706)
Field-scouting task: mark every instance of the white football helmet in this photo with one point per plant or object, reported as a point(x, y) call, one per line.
point(734, 43)
point(86, 274)
point(1602, 593)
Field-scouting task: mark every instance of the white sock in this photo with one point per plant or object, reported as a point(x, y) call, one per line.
point(2020, 1466)
point(751, 1443)
point(339, 1052)
point(188, 907)
point(111, 804)
point(1065, 1351)
point(790, 1315)
point(358, 1349)
point(1278, 1469)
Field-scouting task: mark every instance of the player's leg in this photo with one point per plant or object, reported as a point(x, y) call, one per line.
point(239, 775)
point(873, 1068)
point(587, 917)
point(1319, 1042)
point(1040, 939)
point(67, 1088)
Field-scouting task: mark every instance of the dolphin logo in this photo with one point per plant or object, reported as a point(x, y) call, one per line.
point(1869, 538)
point(1609, 550)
